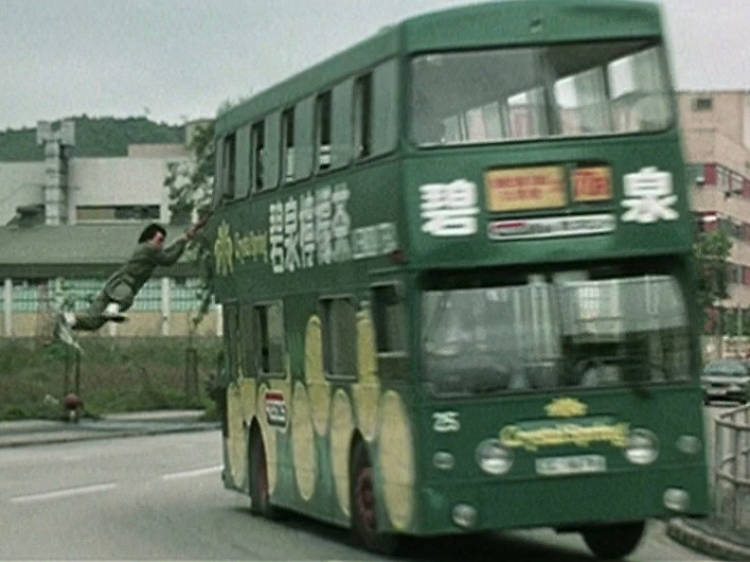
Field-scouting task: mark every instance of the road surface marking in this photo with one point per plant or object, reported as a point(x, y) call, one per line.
point(191, 473)
point(64, 493)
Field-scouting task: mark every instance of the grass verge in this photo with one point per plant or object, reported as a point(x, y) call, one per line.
point(113, 375)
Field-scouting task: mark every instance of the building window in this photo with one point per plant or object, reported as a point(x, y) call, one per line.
point(93, 213)
point(703, 104)
point(735, 273)
point(722, 180)
point(735, 229)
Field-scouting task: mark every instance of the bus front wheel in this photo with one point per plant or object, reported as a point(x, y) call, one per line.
point(363, 505)
point(612, 542)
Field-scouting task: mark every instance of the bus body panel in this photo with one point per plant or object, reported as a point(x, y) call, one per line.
point(621, 156)
point(529, 21)
point(294, 253)
point(504, 501)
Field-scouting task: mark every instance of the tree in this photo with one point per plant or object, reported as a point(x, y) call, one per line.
point(189, 185)
point(711, 251)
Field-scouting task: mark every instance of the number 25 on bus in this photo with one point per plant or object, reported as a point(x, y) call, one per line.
point(455, 267)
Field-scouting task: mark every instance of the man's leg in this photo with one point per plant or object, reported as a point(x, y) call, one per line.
point(92, 319)
point(113, 312)
point(119, 299)
point(62, 329)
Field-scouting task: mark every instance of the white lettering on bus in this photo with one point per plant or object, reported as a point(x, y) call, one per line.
point(449, 209)
point(291, 235)
point(649, 196)
point(307, 229)
point(445, 422)
point(323, 216)
point(276, 236)
point(315, 228)
point(341, 225)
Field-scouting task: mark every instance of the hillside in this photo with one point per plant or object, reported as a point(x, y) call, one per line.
point(105, 136)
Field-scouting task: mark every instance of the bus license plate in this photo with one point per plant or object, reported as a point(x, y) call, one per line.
point(578, 464)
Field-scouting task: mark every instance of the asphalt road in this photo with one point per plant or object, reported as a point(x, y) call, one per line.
point(161, 497)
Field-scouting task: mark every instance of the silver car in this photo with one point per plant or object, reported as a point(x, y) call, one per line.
point(727, 380)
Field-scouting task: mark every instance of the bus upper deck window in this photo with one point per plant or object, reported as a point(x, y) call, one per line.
point(287, 144)
point(639, 91)
point(582, 103)
point(323, 127)
point(256, 156)
point(228, 166)
point(527, 114)
point(363, 116)
point(518, 93)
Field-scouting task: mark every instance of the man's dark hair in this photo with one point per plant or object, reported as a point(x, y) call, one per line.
point(149, 232)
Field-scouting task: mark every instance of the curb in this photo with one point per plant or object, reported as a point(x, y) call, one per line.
point(698, 539)
point(91, 434)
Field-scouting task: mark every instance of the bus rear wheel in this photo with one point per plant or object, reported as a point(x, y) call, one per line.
point(612, 542)
point(363, 505)
point(259, 495)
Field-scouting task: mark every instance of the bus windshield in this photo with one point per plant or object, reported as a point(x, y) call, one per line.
point(563, 90)
point(555, 331)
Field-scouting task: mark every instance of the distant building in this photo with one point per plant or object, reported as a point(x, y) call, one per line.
point(716, 133)
point(116, 170)
point(73, 197)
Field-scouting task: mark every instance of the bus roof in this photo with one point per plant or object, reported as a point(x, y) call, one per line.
point(510, 22)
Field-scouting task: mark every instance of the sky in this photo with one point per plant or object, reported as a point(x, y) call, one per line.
point(178, 60)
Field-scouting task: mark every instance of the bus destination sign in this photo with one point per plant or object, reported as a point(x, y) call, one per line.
point(592, 184)
point(518, 189)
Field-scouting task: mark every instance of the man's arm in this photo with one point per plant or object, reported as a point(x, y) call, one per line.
point(172, 253)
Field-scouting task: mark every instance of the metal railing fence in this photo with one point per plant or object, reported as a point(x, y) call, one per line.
point(732, 467)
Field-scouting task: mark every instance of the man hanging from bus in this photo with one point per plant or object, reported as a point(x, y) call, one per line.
point(123, 285)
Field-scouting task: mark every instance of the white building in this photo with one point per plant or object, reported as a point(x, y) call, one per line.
point(70, 214)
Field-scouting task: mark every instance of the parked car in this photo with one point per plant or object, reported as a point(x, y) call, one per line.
point(726, 379)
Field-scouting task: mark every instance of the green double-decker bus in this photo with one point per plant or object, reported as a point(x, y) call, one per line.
point(455, 268)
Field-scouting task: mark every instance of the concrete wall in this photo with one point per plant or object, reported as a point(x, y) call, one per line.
point(119, 181)
point(712, 146)
point(21, 183)
point(136, 179)
point(34, 324)
point(728, 113)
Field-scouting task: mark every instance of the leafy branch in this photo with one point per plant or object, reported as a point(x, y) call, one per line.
point(711, 251)
point(189, 185)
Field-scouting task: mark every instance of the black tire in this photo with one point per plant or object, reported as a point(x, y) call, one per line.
point(364, 519)
point(613, 542)
point(260, 503)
